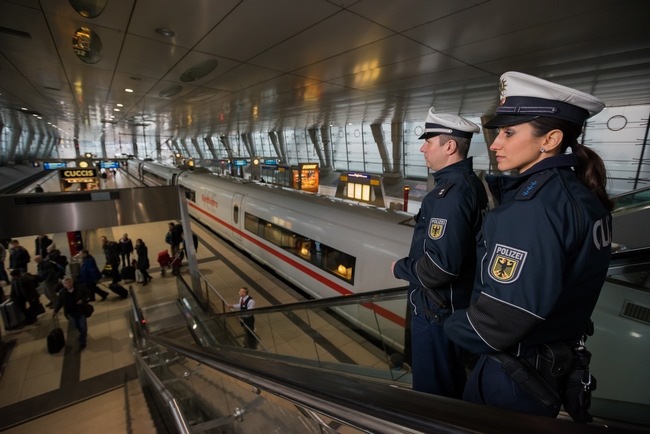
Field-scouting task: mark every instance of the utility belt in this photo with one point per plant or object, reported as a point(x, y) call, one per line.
point(557, 373)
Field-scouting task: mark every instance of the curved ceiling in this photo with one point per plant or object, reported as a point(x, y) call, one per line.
point(202, 67)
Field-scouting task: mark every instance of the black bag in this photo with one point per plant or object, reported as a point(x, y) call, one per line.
point(36, 308)
point(119, 290)
point(86, 309)
point(55, 339)
point(128, 273)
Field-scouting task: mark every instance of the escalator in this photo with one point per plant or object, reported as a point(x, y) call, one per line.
point(193, 353)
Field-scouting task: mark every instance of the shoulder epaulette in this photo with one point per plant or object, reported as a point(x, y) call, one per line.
point(441, 190)
point(533, 185)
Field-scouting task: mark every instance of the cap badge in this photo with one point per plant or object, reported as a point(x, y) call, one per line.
point(502, 91)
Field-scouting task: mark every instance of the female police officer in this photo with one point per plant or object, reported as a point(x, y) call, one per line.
point(544, 251)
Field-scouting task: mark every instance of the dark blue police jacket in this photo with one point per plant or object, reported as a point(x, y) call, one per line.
point(443, 248)
point(543, 258)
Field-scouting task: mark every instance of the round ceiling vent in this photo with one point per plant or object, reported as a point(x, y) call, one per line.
point(89, 8)
point(199, 71)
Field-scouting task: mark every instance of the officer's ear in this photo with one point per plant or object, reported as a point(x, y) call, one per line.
point(552, 140)
point(451, 146)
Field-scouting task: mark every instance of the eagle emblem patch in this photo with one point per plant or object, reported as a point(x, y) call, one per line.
point(437, 228)
point(506, 263)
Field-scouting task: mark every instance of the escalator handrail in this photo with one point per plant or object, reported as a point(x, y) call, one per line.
point(367, 404)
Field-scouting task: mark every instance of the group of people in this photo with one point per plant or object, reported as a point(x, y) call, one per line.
point(119, 253)
point(50, 268)
point(509, 292)
point(62, 290)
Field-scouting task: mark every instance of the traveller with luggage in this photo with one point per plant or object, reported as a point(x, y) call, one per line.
point(70, 299)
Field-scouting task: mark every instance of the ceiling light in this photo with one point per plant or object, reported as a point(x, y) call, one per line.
point(120, 105)
point(167, 33)
point(128, 90)
point(116, 110)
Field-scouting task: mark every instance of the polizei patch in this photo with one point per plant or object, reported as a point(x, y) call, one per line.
point(506, 263)
point(437, 228)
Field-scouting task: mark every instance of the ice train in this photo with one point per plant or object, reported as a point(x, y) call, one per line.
point(325, 246)
point(331, 247)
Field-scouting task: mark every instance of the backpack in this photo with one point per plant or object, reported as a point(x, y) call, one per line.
point(61, 260)
point(60, 270)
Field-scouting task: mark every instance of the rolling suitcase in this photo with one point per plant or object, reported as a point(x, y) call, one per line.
point(11, 315)
point(55, 339)
point(128, 273)
point(119, 290)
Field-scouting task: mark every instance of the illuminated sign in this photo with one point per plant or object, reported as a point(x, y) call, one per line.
point(309, 166)
point(109, 165)
point(271, 162)
point(359, 175)
point(241, 162)
point(50, 166)
point(78, 173)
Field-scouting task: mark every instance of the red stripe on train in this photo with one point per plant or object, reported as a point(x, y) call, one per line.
point(301, 267)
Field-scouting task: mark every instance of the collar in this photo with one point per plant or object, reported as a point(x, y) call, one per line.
point(462, 166)
point(500, 184)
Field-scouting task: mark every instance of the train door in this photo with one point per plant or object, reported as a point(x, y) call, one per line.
point(237, 216)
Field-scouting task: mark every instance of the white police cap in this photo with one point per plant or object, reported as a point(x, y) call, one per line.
point(525, 97)
point(453, 125)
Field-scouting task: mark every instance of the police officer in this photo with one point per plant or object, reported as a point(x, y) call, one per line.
point(440, 267)
point(545, 249)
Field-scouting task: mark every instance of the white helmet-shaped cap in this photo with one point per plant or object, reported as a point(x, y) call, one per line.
point(443, 123)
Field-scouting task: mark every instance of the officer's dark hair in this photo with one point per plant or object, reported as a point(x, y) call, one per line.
point(462, 143)
point(591, 170)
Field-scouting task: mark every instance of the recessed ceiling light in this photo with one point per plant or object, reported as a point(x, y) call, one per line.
point(167, 33)
point(116, 110)
point(120, 105)
point(128, 90)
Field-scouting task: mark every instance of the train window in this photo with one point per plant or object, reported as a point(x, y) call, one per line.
point(326, 258)
point(235, 214)
point(152, 178)
point(190, 195)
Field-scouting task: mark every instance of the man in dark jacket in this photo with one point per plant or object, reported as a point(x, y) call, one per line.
point(112, 254)
point(89, 275)
point(441, 263)
point(70, 298)
point(18, 257)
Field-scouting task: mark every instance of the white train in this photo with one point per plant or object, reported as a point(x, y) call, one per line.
point(325, 246)
point(330, 247)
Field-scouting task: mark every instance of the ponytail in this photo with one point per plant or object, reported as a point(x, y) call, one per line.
point(592, 173)
point(591, 168)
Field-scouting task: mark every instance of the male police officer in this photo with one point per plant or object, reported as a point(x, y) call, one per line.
point(441, 263)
